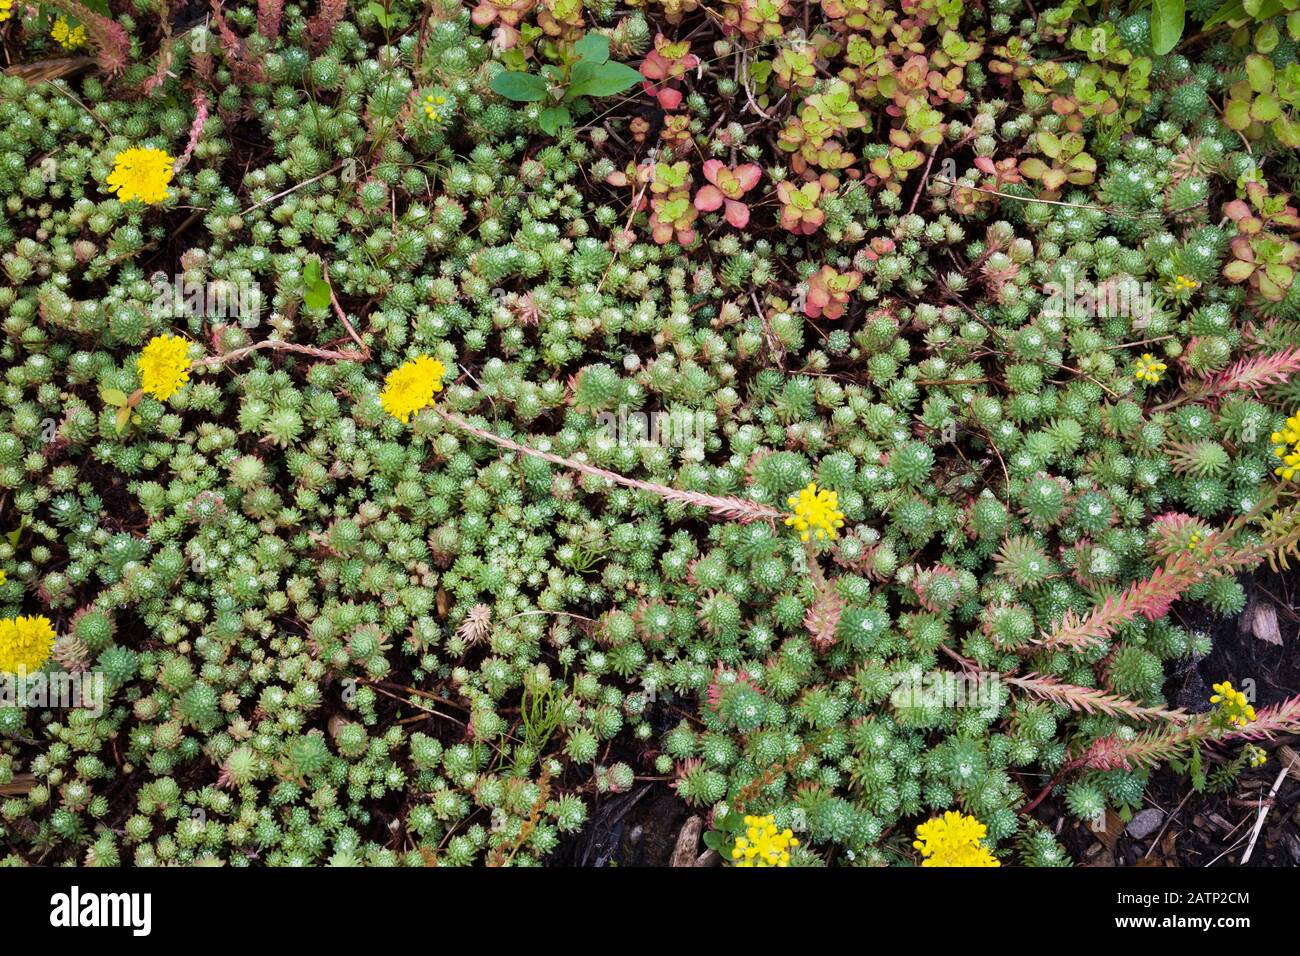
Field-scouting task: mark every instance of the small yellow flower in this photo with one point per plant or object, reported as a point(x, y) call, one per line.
point(141, 173)
point(1185, 283)
point(4, 578)
point(411, 388)
point(1287, 448)
point(954, 839)
point(6, 8)
point(25, 643)
point(431, 104)
point(1255, 756)
point(763, 844)
point(164, 366)
point(1149, 368)
point(68, 37)
point(815, 512)
point(1233, 708)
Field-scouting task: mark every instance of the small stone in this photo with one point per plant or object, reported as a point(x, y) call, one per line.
point(1144, 823)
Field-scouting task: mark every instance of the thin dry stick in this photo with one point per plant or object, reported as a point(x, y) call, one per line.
point(1264, 807)
point(737, 509)
point(1168, 820)
point(294, 188)
point(1050, 202)
point(925, 178)
point(1236, 843)
point(234, 355)
point(338, 310)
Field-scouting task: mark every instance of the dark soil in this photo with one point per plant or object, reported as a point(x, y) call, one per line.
point(637, 828)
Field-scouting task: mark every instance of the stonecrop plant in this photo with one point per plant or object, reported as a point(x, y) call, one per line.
point(427, 419)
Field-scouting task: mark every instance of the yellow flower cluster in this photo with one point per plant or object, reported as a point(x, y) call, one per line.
point(1185, 283)
point(815, 512)
point(68, 37)
point(431, 104)
point(1148, 368)
point(141, 173)
point(1233, 706)
point(1256, 756)
point(953, 840)
point(6, 8)
point(410, 388)
point(763, 844)
point(25, 643)
point(1287, 447)
point(164, 366)
point(4, 578)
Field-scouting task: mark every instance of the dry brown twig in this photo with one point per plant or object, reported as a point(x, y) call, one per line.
point(729, 507)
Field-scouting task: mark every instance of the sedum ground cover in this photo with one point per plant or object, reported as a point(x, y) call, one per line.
point(422, 420)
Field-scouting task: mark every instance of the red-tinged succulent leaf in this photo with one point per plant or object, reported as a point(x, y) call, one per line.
point(1054, 179)
point(708, 198)
point(823, 617)
point(748, 175)
point(669, 98)
point(1238, 271)
point(737, 213)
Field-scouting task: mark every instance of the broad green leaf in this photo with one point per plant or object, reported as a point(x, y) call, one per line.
point(1265, 108)
point(114, 396)
point(520, 87)
point(606, 80)
point(316, 294)
point(593, 48)
point(1232, 10)
point(906, 161)
point(384, 18)
point(1054, 179)
point(1259, 73)
point(1167, 17)
point(1238, 271)
point(1267, 38)
point(1282, 275)
point(1237, 114)
point(1084, 162)
point(1262, 9)
point(553, 118)
point(123, 416)
point(583, 73)
point(1287, 132)
point(760, 72)
point(1033, 167)
point(1048, 144)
